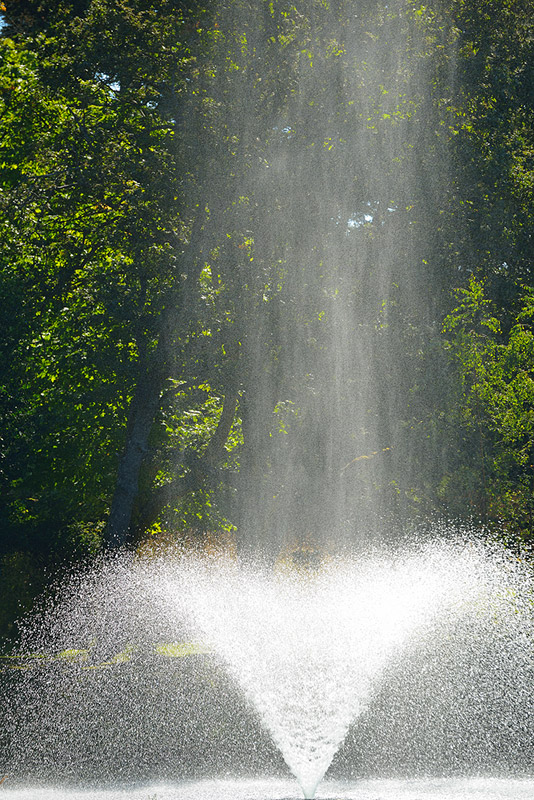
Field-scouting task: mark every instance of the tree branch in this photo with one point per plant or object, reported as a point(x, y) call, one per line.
point(202, 469)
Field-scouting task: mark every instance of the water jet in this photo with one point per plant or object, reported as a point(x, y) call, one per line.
point(400, 657)
point(308, 663)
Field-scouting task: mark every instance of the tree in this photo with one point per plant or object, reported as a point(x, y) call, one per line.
point(496, 406)
point(127, 198)
point(234, 242)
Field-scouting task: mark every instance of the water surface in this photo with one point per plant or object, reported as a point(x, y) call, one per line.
point(268, 789)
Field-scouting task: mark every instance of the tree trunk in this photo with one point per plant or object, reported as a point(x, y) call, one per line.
point(203, 470)
point(153, 372)
point(143, 410)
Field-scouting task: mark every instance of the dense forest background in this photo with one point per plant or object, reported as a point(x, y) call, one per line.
point(187, 189)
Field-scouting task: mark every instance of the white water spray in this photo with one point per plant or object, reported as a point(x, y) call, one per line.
point(308, 654)
point(309, 648)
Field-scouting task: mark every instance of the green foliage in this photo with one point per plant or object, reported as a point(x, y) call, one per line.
point(497, 402)
point(192, 197)
point(18, 575)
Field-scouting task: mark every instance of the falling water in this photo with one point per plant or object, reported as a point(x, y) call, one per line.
point(124, 677)
point(400, 659)
point(309, 650)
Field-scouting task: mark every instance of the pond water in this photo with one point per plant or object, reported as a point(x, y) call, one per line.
point(269, 789)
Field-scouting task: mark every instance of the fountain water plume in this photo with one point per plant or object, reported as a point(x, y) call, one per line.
point(292, 658)
point(309, 648)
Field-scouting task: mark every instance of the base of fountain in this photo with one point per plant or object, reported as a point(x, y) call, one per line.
point(479, 788)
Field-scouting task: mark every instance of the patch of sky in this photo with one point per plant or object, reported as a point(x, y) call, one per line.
point(287, 130)
point(362, 217)
point(367, 215)
point(107, 79)
point(358, 220)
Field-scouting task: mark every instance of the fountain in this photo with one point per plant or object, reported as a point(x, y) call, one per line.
point(416, 660)
point(397, 667)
